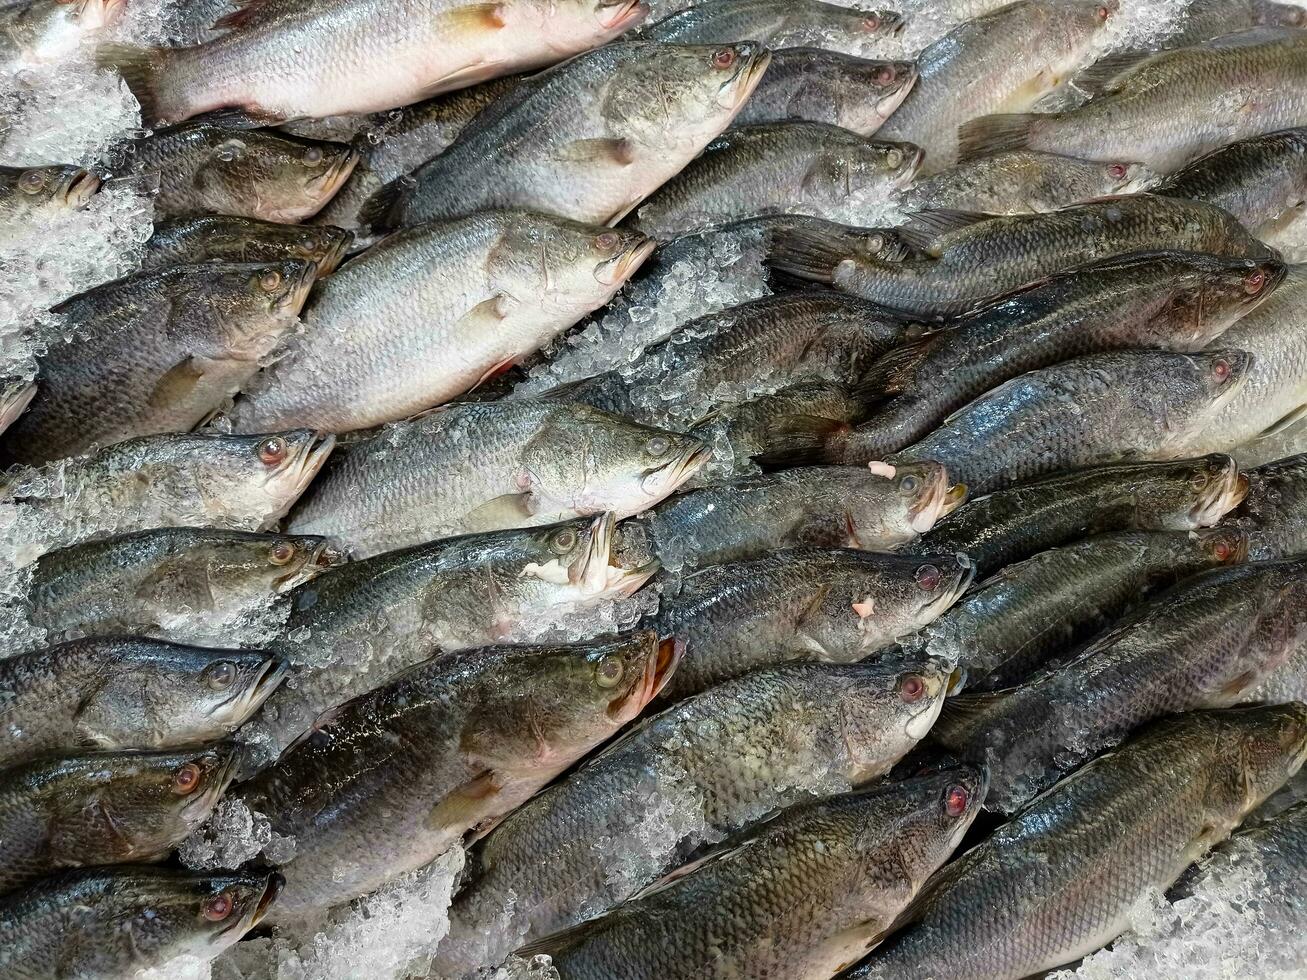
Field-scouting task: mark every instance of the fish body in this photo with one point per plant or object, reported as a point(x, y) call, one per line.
point(1274, 512)
point(223, 238)
point(775, 23)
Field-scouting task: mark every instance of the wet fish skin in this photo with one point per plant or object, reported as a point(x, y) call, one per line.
point(1165, 301)
point(817, 507)
point(773, 23)
point(238, 483)
point(834, 606)
point(1262, 181)
point(970, 260)
point(77, 923)
point(782, 166)
point(828, 87)
point(649, 110)
point(156, 352)
point(1102, 408)
point(1002, 61)
point(1008, 525)
point(492, 465)
point(395, 777)
point(806, 894)
point(1172, 107)
point(1023, 181)
point(116, 693)
point(222, 238)
point(1207, 19)
point(1019, 620)
point(434, 310)
point(177, 581)
point(1274, 512)
point(48, 30)
point(15, 395)
point(105, 808)
point(28, 193)
point(1206, 642)
point(723, 758)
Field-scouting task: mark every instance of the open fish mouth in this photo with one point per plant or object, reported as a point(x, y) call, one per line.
point(663, 481)
point(737, 90)
point(78, 190)
point(309, 460)
point(15, 405)
point(1223, 493)
point(658, 669)
point(335, 254)
point(244, 703)
point(595, 572)
point(276, 882)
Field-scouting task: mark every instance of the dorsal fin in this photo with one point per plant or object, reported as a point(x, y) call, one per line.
point(1110, 74)
point(926, 231)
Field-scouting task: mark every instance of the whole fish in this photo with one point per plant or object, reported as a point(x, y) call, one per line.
point(1166, 109)
point(240, 483)
point(486, 466)
point(1022, 181)
point(397, 776)
point(1070, 869)
point(1274, 512)
point(117, 693)
point(50, 30)
point(187, 583)
point(105, 808)
point(1167, 301)
point(828, 87)
point(221, 165)
point(1099, 409)
point(431, 312)
point(1021, 618)
point(220, 238)
point(1003, 61)
point(835, 606)
point(156, 352)
point(282, 59)
point(1003, 527)
point(15, 395)
point(812, 507)
point(589, 139)
point(804, 895)
point(1262, 181)
point(1204, 643)
point(791, 166)
point(714, 764)
point(29, 194)
point(362, 623)
point(972, 258)
point(114, 922)
point(775, 23)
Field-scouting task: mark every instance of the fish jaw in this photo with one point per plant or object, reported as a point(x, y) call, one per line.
point(617, 271)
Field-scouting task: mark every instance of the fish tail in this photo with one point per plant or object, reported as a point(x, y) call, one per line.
point(808, 255)
point(384, 210)
point(142, 69)
point(995, 134)
point(804, 440)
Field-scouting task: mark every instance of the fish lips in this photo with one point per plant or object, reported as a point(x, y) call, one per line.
point(658, 669)
point(249, 699)
point(888, 104)
point(754, 60)
point(78, 188)
point(1221, 495)
point(615, 271)
point(307, 462)
point(659, 483)
point(594, 572)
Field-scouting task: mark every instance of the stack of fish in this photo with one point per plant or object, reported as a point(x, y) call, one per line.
point(911, 620)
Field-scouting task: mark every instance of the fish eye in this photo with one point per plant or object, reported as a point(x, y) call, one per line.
point(186, 779)
point(894, 157)
point(270, 280)
point(230, 151)
point(1222, 551)
point(607, 241)
point(871, 22)
point(909, 485)
point(657, 446)
point(563, 542)
point(282, 552)
point(312, 156)
point(723, 58)
point(215, 908)
point(220, 676)
point(1253, 282)
point(1103, 13)
point(31, 182)
point(609, 672)
point(1221, 370)
point(928, 577)
point(273, 450)
point(1117, 171)
point(885, 74)
point(911, 688)
point(1198, 481)
point(956, 801)
point(309, 241)
point(875, 243)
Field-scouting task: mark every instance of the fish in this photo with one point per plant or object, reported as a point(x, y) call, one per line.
point(186, 583)
point(1167, 109)
point(716, 763)
point(116, 921)
point(822, 86)
point(790, 166)
point(155, 352)
point(105, 808)
point(805, 507)
point(15, 395)
point(774, 23)
point(1203, 643)
point(30, 194)
point(361, 623)
point(282, 60)
point(1262, 181)
point(805, 895)
point(1167, 301)
point(588, 139)
point(1006, 526)
point(222, 238)
point(128, 692)
point(432, 312)
point(392, 779)
point(1104, 408)
point(1070, 868)
point(206, 479)
point(1208, 19)
point(971, 259)
point(830, 605)
point(1002, 61)
point(484, 466)
point(223, 165)
point(1023, 181)
point(1274, 511)
point(45, 31)
point(1026, 616)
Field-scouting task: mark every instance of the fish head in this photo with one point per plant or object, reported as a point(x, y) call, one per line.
point(889, 704)
point(574, 561)
point(273, 177)
point(843, 171)
point(918, 494)
point(60, 186)
point(936, 810)
point(1263, 746)
point(1195, 493)
point(567, 267)
point(255, 304)
point(1222, 545)
point(866, 22)
point(243, 565)
point(96, 15)
point(1223, 374)
point(571, 26)
point(1272, 14)
point(323, 245)
point(270, 471)
point(1210, 294)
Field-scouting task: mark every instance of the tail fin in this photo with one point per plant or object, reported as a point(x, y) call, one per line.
point(806, 254)
point(383, 211)
point(995, 134)
point(804, 440)
point(141, 69)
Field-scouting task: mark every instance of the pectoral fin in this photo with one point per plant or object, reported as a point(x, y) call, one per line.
point(508, 510)
point(602, 150)
point(464, 807)
point(178, 384)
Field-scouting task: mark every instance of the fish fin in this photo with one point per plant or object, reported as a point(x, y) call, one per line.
point(804, 440)
point(235, 117)
point(994, 134)
point(811, 607)
point(477, 17)
point(461, 78)
point(1264, 34)
point(464, 807)
point(140, 69)
point(891, 373)
point(177, 383)
point(1110, 73)
point(806, 254)
point(926, 230)
point(247, 12)
point(961, 716)
point(601, 150)
point(1237, 685)
point(175, 583)
point(1282, 424)
point(504, 511)
point(690, 867)
point(382, 211)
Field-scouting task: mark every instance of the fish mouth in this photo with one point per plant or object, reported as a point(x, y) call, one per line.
point(658, 669)
point(594, 571)
point(613, 17)
point(912, 167)
point(78, 189)
point(888, 104)
point(937, 499)
point(276, 882)
point(1222, 494)
point(620, 268)
point(663, 481)
point(16, 404)
point(243, 704)
point(323, 187)
point(335, 254)
point(962, 580)
point(736, 92)
point(308, 461)
point(198, 807)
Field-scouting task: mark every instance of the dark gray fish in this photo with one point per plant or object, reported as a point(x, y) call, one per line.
point(1274, 511)
point(221, 238)
point(775, 23)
